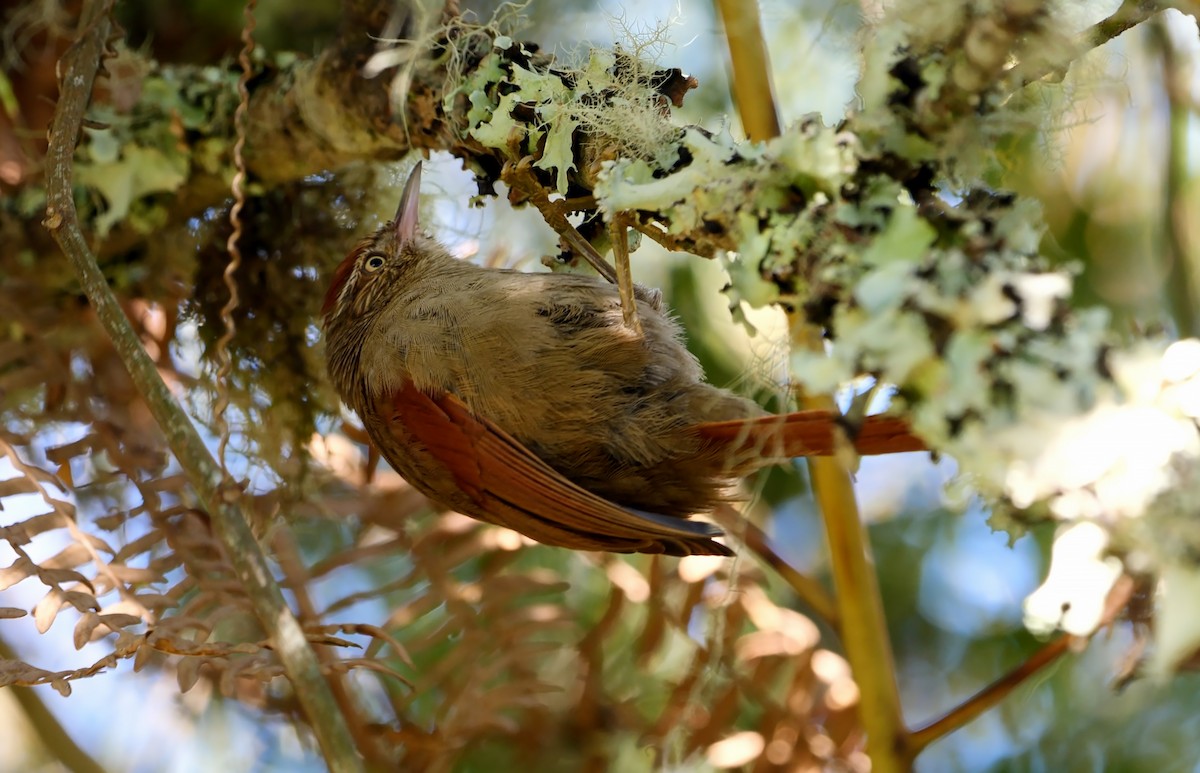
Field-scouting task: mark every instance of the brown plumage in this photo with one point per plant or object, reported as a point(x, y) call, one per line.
point(524, 399)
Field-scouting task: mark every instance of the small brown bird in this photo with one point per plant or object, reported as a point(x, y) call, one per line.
point(526, 401)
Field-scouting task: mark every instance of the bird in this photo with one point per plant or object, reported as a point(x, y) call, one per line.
point(525, 400)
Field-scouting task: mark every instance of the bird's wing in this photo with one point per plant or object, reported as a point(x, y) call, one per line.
point(516, 488)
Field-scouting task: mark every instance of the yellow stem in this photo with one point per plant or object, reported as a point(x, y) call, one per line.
point(751, 74)
point(859, 603)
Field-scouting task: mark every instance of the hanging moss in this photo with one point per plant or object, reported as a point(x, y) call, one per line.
point(292, 236)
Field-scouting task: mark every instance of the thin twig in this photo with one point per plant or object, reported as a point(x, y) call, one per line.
point(859, 601)
point(860, 607)
point(991, 695)
point(667, 241)
point(296, 578)
point(811, 592)
point(79, 66)
point(618, 233)
point(1182, 290)
point(1130, 14)
point(1118, 599)
point(520, 177)
point(751, 73)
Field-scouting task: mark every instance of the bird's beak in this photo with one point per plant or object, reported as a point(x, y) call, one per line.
point(405, 224)
point(405, 221)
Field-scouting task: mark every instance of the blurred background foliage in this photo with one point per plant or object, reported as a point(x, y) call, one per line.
point(1113, 163)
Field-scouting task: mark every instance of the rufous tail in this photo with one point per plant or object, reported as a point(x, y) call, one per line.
point(810, 433)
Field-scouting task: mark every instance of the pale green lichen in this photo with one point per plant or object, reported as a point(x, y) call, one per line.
point(959, 313)
point(628, 184)
point(1081, 573)
point(609, 98)
point(124, 179)
point(175, 128)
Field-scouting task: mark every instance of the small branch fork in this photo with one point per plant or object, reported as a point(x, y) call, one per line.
point(520, 178)
point(79, 67)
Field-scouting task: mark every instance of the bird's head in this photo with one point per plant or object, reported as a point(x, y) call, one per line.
point(377, 262)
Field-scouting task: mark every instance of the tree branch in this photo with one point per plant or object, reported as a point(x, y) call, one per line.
point(79, 66)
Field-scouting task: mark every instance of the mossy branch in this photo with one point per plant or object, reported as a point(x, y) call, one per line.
point(79, 68)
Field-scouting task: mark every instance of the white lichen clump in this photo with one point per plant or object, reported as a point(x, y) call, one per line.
point(1043, 417)
point(609, 99)
point(947, 299)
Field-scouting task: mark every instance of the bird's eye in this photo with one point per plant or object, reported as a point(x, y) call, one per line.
point(374, 262)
